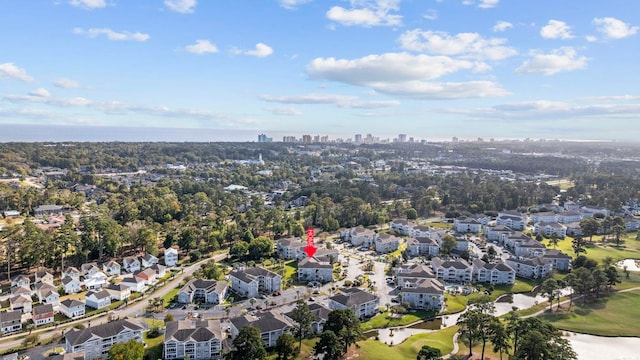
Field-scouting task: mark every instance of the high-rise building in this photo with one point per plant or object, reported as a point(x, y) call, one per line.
point(402, 138)
point(306, 138)
point(289, 139)
point(262, 138)
point(358, 138)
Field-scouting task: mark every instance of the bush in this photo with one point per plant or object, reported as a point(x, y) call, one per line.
point(153, 333)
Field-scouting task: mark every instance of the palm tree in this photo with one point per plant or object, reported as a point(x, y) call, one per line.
point(554, 240)
point(499, 337)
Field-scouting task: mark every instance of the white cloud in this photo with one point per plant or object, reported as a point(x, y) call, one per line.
point(471, 45)
point(389, 67)
point(41, 92)
point(261, 50)
point(501, 26)
point(430, 14)
point(487, 4)
point(556, 29)
point(613, 28)
point(202, 47)
point(181, 6)
point(66, 83)
point(558, 60)
point(112, 35)
point(367, 13)
point(343, 101)
point(591, 38)
point(48, 100)
point(292, 4)
point(88, 4)
point(11, 71)
point(442, 90)
point(284, 111)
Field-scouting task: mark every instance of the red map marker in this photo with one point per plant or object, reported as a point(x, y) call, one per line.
point(310, 249)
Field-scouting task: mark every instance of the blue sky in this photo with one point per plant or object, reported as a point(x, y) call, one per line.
point(432, 69)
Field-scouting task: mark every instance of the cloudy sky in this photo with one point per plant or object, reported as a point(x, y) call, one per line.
point(432, 69)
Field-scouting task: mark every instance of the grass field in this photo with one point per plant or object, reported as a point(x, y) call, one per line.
point(374, 349)
point(383, 320)
point(630, 249)
point(613, 315)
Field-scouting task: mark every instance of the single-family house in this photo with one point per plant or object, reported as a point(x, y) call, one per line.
point(21, 290)
point(71, 272)
point(118, 292)
point(159, 270)
point(193, 339)
point(47, 294)
point(10, 321)
point(270, 324)
point(312, 269)
point(21, 302)
point(42, 314)
point(134, 283)
point(72, 308)
point(148, 260)
point(148, 275)
point(20, 280)
point(96, 341)
point(96, 281)
point(249, 281)
point(363, 304)
point(89, 269)
point(170, 257)
point(111, 268)
point(98, 299)
point(425, 293)
point(44, 276)
point(452, 270)
point(131, 264)
point(70, 285)
point(207, 291)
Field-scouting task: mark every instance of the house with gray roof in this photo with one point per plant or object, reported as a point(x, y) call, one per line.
point(559, 260)
point(425, 293)
point(207, 291)
point(498, 273)
point(319, 313)
point(422, 246)
point(250, 281)
point(98, 299)
point(312, 269)
point(10, 321)
point(270, 324)
point(363, 304)
point(452, 270)
point(386, 243)
point(531, 268)
point(96, 341)
point(21, 302)
point(359, 236)
point(193, 339)
point(290, 248)
point(20, 280)
point(72, 308)
point(42, 314)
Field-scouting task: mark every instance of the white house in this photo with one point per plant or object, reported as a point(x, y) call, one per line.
point(44, 276)
point(359, 236)
point(547, 216)
point(96, 281)
point(131, 264)
point(400, 226)
point(362, 303)
point(422, 246)
point(193, 339)
point(111, 268)
point(96, 341)
point(531, 268)
point(547, 229)
point(209, 291)
point(319, 314)
point(528, 248)
point(10, 321)
point(496, 233)
point(148, 275)
point(159, 270)
point(21, 302)
point(411, 273)
point(512, 219)
point(170, 257)
point(290, 248)
point(20, 281)
point(118, 292)
point(566, 217)
point(148, 260)
point(71, 272)
point(559, 260)
point(312, 269)
point(417, 231)
point(386, 243)
point(72, 308)
point(596, 210)
point(452, 270)
point(467, 225)
point(248, 281)
point(98, 299)
point(134, 283)
point(270, 324)
point(424, 294)
point(89, 269)
point(48, 294)
point(70, 285)
point(493, 273)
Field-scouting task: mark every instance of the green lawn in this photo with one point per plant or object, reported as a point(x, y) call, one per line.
point(383, 320)
point(457, 303)
point(440, 225)
point(630, 249)
point(170, 295)
point(374, 349)
point(614, 315)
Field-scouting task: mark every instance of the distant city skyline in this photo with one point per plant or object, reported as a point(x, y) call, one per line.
point(432, 69)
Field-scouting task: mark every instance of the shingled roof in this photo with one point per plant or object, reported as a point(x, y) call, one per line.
point(80, 336)
point(193, 330)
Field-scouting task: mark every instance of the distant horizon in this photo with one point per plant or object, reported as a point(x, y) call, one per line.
point(104, 133)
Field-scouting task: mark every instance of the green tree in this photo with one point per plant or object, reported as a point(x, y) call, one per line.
point(285, 347)
point(260, 247)
point(499, 337)
point(549, 288)
point(578, 245)
point(618, 231)
point(329, 346)
point(613, 277)
point(346, 325)
point(130, 350)
point(429, 353)
point(239, 249)
point(589, 227)
point(468, 323)
point(303, 318)
point(554, 240)
point(411, 214)
point(248, 344)
point(570, 280)
point(448, 244)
